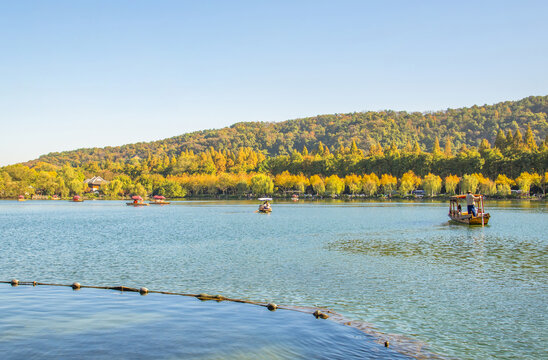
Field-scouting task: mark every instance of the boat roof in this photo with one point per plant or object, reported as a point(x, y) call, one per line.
point(455, 197)
point(265, 198)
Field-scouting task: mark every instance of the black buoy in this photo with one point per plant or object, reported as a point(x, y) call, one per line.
point(75, 286)
point(34, 283)
point(143, 291)
point(271, 306)
point(14, 282)
point(386, 343)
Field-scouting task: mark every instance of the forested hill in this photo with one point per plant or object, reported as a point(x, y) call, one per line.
point(460, 126)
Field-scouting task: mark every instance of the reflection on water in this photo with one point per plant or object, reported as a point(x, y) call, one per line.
point(466, 292)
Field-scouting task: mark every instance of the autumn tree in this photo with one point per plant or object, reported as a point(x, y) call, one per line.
point(451, 182)
point(431, 184)
point(334, 185)
point(389, 183)
point(409, 182)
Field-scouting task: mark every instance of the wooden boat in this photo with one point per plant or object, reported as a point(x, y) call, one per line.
point(21, 198)
point(265, 208)
point(159, 200)
point(77, 198)
point(137, 201)
point(137, 204)
point(456, 214)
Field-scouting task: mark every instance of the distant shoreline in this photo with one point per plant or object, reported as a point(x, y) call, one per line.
point(304, 199)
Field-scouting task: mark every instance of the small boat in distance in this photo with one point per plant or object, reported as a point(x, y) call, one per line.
point(159, 200)
point(456, 213)
point(137, 201)
point(265, 207)
point(21, 198)
point(77, 198)
point(295, 197)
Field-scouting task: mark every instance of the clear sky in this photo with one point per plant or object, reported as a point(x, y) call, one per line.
point(90, 73)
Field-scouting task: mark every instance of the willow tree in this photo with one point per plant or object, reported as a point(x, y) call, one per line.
point(370, 184)
point(451, 182)
point(431, 184)
point(317, 184)
point(334, 185)
point(469, 182)
point(409, 182)
point(261, 184)
point(353, 182)
point(389, 183)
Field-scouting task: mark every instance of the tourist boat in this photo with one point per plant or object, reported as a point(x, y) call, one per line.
point(159, 200)
point(265, 207)
point(295, 197)
point(77, 198)
point(21, 198)
point(456, 214)
point(137, 201)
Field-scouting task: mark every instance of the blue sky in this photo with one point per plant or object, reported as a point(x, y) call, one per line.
point(79, 74)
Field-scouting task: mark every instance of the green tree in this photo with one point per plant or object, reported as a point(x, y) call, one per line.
point(262, 184)
point(530, 139)
point(469, 182)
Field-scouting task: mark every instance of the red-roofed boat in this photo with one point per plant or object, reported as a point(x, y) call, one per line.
point(159, 200)
point(456, 213)
point(137, 201)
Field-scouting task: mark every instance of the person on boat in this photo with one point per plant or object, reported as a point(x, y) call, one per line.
point(266, 205)
point(459, 209)
point(135, 201)
point(470, 203)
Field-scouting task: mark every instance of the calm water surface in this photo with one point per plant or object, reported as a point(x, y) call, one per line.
point(465, 292)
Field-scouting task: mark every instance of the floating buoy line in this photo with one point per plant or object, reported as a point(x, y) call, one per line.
point(144, 291)
point(406, 346)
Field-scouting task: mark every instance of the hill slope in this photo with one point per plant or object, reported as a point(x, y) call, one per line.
point(463, 126)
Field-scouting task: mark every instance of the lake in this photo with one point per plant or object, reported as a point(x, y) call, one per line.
point(398, 269)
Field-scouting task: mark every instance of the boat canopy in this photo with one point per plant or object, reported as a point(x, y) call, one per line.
point(136, 197)
point(76, 197)
point(159, 197)
point(455, 197)
point(21, 196)
point(265, 199)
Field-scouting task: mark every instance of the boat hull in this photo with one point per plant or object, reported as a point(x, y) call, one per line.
point(160, 203)
point(471, 220)
point(136, 205)
point(267, 211)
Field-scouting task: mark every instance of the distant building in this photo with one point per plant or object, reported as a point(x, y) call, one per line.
point(95, 183)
